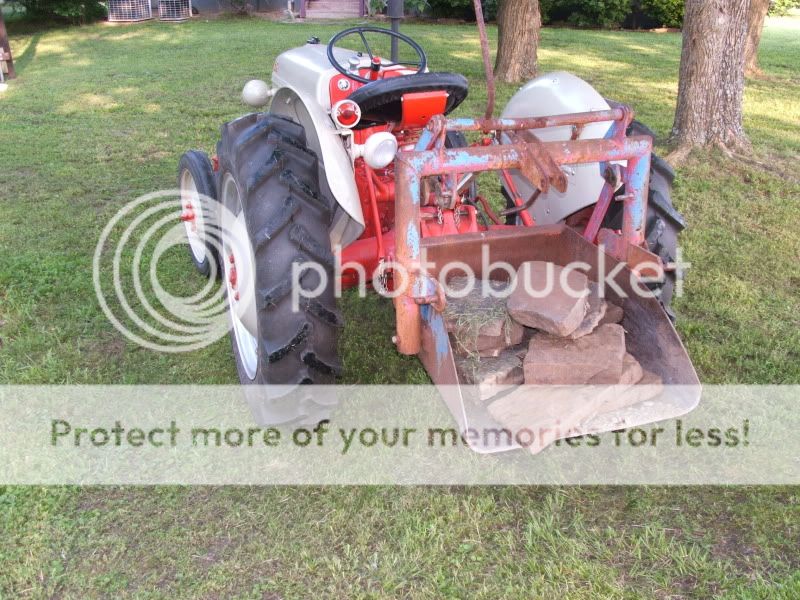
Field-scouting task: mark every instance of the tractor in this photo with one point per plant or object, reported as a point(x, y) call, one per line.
point(357, 163)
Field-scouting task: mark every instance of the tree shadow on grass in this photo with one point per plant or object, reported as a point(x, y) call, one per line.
point(24, 59)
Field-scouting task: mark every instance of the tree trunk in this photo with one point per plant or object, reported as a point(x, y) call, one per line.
point(711, 85)
point(5, 48)
point(518, 24)
point(755, 25)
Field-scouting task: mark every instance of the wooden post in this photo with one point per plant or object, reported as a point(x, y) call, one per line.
point(5, 49)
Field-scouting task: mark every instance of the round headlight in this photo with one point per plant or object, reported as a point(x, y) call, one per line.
point(380, 149)
point(256, 93)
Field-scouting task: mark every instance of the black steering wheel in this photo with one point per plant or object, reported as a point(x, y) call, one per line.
point(420, 64)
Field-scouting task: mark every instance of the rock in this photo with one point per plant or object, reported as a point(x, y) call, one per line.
point(650, 378)
point(468, 344)
point(478, 323)
point(522, 349)
point(613, 314)
point(631, 373)
point(538, 416)
point(558, 312)
point(595, 358)
point(491, 376)
point(649, 386)
point(595, 312)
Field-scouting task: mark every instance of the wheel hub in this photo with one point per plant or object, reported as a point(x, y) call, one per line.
point(192, 216)
point(240, 276)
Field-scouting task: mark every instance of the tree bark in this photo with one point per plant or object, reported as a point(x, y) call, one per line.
point(5, 48)
point(711, 84)
point(518, 24)
point(755, 25)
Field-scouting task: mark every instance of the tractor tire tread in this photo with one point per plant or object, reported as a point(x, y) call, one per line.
point(288, 218)
point(280, 219)
point(301, 189)
point(306, 242)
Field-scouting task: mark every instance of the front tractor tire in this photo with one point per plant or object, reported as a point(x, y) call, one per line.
point(269, 183)
point(198, 207)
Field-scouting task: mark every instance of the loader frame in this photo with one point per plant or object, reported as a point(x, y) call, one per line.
point(541, 163)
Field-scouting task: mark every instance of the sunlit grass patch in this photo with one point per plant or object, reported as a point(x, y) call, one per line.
point(100, 115)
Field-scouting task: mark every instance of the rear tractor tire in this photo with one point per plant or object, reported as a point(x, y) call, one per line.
point(664, 222)
point(269, 183)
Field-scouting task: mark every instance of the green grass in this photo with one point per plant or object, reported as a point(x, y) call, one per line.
point(100, 115)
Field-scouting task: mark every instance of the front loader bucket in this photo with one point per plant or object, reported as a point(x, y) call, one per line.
point(650, 335)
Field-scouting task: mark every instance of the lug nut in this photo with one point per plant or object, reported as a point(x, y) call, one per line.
point(232, 277)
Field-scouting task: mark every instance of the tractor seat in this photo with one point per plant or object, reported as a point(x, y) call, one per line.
point(381, 100)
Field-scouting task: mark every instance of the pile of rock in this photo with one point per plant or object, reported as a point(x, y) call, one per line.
point(569, 335)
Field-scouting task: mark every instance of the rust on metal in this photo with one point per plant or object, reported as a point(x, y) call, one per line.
point(539, 161)
point(582, 118)
point(521, 207)
point(543, 163)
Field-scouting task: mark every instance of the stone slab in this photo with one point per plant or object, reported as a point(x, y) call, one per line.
point(539, 299)
point(595, 311)
point(596, 358)
point(490, 376)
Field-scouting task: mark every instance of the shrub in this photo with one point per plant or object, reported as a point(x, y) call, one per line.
point(663, 13)
point(415, 7)
point(462, 9)
point(782, 7)
point(451, 9)
point(411, 8)
point(648, 14)
point(75, 11)
point(240, 7)
point(545, 8)
point(608, 14)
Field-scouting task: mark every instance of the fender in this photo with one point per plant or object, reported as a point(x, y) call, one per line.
point(560, 93)
point(304, 99)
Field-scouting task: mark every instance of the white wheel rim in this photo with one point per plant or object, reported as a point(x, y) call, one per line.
point(195, 227)
point(239, 277)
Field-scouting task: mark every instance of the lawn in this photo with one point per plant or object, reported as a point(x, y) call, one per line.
point(100, 115)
